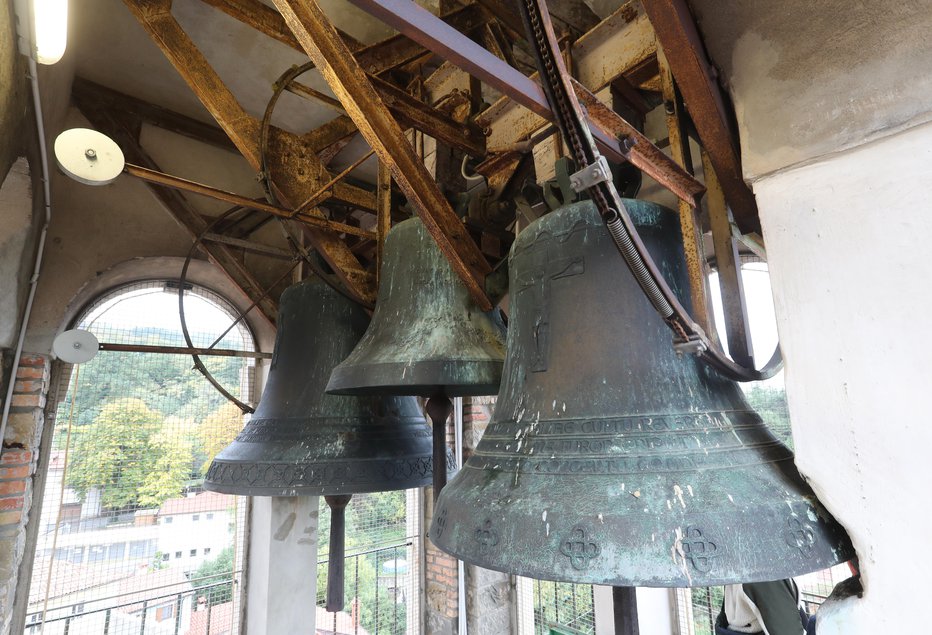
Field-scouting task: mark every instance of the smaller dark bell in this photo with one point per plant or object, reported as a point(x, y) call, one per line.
point(304, 442)
point(427, 333)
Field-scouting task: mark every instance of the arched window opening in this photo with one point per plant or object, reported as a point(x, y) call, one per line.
point(128, 539)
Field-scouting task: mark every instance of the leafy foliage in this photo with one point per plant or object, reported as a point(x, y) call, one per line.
point(217, 574)
point(218, 430)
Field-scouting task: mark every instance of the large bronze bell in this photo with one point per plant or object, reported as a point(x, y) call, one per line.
point(304, 442)
point(610, 459)
point(427, 336)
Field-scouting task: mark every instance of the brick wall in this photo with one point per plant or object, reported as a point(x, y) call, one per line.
point(440, 573)
point(17, 469)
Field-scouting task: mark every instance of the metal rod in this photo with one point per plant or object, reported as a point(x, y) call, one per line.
point(160, 178)
point(335, 570)
point(438, 408)
point(180, 350)
point(249, 245)
point(625, 605)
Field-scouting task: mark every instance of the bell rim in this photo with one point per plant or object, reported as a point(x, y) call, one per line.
point(418, 379)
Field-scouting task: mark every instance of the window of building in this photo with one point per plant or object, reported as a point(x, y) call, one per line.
point(196, 517)
point(210, 516)
point(193, 552)
point(206, 551)
point(134, 434)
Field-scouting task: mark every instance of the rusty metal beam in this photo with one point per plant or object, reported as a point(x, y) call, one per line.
point(180, 350)
point(384, 219)
point(160, 178)
point(689, 221)
point(677, 33)
point(182, 211)
point(349, 82)
point(422, 26)
point(297, 171)
point(643, 154)
point(267, 20)
point(413, 113)
point(107, 98)
point(728, 265)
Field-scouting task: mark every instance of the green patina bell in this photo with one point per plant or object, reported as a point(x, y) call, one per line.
point(427, 336)
point(610, 459)
point(426, 333)
point(304, 442)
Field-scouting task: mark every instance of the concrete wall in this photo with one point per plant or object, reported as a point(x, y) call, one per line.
point(808, 78)
point(849, 260)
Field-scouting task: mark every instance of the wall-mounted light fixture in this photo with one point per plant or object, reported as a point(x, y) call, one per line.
point(43, 29)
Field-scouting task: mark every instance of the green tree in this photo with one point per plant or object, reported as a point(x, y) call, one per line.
point(217, 430)
point(111, 453)
point(170, 469)
point(217, 574)
point(129, 456)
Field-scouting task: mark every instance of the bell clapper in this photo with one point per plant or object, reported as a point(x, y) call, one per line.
point(335, 570)
point(439, 408)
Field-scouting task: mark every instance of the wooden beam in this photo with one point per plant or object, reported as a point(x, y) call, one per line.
point(384, 219)
point(349, 83)
point(677, 33)
point(625, 36)
point(295, 168)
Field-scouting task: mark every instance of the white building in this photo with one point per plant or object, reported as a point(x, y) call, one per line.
point(195, 528)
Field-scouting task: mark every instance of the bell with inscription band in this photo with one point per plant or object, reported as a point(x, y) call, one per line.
point(427, 336)
point(304, 442)
point(609, 458)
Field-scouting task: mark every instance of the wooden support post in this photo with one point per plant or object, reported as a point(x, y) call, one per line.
point(689, 221)
point(729, 271)
point(349, 83)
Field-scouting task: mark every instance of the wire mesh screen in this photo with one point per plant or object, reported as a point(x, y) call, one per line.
point(555, 608)
point(697, 609)
point(382, 575)
point(129, 542)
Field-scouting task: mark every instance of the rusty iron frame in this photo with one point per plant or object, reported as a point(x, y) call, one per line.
point(425, 28)
point(349, 82)
point(303, 171)
point(728, 264)
point(677, 33)
point(689, 221)
point(160, 178)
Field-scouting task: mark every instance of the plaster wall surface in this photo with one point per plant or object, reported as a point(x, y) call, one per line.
point(12, 92)
point(808, 78)
point(17, 243)
point(847, 239)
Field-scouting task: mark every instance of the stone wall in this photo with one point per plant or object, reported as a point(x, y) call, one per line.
point(17, 473)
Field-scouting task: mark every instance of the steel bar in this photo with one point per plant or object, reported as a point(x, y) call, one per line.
point(689, 221)
point(180, 350)
point(422, 26)
point(243, 130)
point(348, 81)
point(677, 33)
point(728, 264)
point(160, 178)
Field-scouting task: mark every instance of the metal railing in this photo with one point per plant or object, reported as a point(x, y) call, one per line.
point(379, 555)
point(176, 600)
point(577, 600)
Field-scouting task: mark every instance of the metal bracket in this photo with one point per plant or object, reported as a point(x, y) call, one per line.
point(694, 345)
point(592, 174)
